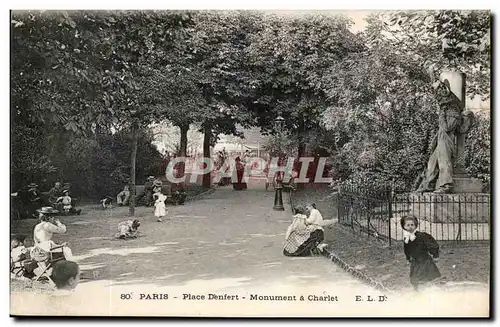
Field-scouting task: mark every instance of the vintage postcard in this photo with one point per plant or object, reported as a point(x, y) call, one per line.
point(189, 163)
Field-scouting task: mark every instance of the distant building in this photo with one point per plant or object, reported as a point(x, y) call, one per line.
point(252, 140)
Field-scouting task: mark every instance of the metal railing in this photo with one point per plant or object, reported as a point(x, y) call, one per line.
point(447, 217)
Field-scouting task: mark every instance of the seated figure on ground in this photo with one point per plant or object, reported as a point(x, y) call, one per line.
point(123, 197)
point(55, 192)
point(34, 199)
point(64, 202)
point(107, 202)
point(20, 257)
point(146, 197)
point(128, 229)
point(304, 236)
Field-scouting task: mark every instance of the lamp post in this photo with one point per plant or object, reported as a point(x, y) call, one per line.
point(278, 195)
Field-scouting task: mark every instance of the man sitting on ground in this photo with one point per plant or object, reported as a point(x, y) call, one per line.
point(123, 197)
point(55, 192)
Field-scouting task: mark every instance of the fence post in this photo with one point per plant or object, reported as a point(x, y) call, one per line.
point(389, 203)
point(338, 203)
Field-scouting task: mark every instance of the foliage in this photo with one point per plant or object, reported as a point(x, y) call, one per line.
point(447, 39)
point(478, 150)
point(382, 112)
point(288, 56)
point(281, 145)
point(82, 81)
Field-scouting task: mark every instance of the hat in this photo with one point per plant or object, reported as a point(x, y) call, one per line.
point(18, 237)
point(47, 210)
point(32, 185)
point(151, 177)
point(157, 182)
point(65, 191)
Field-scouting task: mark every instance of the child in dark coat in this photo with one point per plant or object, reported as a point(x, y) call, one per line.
point(419, 247)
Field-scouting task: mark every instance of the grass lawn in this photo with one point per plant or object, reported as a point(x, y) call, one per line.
point(468, 262)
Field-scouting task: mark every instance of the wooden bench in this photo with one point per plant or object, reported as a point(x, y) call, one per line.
point(172, 195)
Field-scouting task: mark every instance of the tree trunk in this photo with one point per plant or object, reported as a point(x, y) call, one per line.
point(207, 177)
point(301, 146)
point(133, 155)
point(183, 148)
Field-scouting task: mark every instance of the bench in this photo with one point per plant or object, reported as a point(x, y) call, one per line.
point(173, 195)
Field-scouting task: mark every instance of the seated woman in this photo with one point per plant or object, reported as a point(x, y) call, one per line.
point(316, 219)
point(304, 234)
point(42, 236)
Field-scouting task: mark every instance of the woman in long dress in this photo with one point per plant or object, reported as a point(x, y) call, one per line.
point(240, 184)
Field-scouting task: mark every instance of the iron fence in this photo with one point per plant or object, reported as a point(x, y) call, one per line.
point(447, 217)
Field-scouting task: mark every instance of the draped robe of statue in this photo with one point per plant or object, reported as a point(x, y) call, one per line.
point(440, 164)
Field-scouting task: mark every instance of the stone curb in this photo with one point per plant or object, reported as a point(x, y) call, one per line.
point(355, 272)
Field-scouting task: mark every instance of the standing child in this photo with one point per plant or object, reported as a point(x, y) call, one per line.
point(160, 209)
point(419, 247)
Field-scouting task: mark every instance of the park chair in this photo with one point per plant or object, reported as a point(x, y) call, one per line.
point(46, 265)
point(18, 268)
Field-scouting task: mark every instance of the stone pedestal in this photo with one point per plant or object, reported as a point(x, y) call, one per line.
point(450, 208)
point(464, 185)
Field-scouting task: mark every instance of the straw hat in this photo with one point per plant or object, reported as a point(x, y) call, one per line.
point(47, 210)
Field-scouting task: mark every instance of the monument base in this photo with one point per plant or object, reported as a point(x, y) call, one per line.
point(450, 208)
point(467, 185)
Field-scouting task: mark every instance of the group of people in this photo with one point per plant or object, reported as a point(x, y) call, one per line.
point(149, 196)
point(305, 236)
point(31, 199)
point(152, 185)
point(45, 256)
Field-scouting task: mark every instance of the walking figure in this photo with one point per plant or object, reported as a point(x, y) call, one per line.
point(160, 209)
point(419, 247)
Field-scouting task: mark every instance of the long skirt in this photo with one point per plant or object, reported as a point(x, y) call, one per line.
point(160, 210)
point(240, 184)
point(422, 271)
point(305, 248)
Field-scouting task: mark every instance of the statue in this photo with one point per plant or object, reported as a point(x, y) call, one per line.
point(447, 144)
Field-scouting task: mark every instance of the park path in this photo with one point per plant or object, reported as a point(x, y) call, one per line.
point(228, 244)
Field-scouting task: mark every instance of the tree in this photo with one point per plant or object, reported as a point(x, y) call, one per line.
point(383, 112)
point(447, 39)
point(101, 62)
point(289, 57)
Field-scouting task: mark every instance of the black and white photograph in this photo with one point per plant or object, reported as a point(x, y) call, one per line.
point(250, 163)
